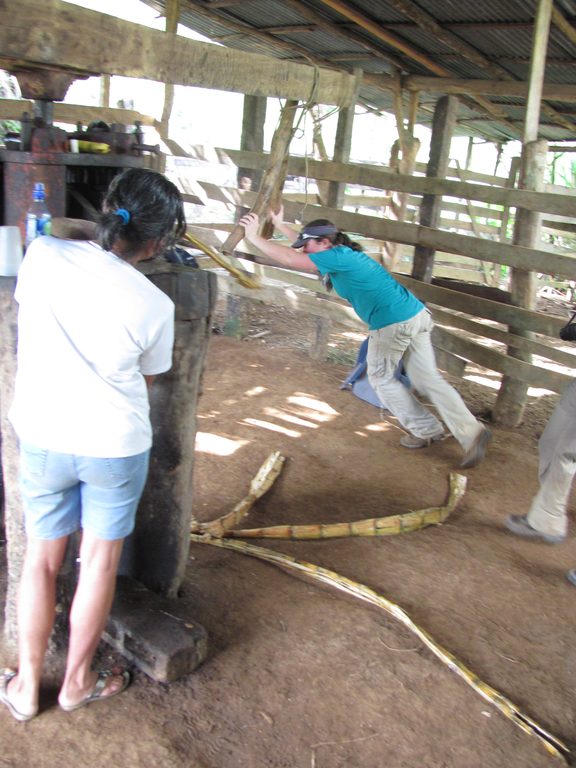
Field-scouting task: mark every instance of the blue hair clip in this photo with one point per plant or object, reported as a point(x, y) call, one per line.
point(124, 214)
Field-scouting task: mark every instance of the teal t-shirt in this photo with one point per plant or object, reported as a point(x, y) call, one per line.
point(377, 298)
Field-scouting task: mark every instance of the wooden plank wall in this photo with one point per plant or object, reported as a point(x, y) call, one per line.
point(468, 246)
point(472, 327)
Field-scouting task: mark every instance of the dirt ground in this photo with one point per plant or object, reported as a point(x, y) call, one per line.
point(301, 676)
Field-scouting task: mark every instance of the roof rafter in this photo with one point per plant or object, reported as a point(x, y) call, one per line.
point(413, 53)
point(345, 32)
point(428, 23)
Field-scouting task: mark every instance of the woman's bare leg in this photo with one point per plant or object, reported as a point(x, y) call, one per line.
point(89, 613)
point(36, 610)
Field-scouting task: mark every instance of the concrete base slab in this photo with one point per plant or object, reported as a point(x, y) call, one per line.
point(143, 627)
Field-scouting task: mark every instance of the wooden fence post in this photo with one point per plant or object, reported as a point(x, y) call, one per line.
point(511, 401)
point(342, 144)
point(442, 130)
point(252, 139)
point(509, 408)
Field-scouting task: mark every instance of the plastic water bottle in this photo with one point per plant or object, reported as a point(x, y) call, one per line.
point(38, 217)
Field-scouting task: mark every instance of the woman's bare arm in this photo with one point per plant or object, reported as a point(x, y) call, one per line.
point(280, 255)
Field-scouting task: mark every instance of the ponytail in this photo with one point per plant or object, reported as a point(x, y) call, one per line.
point(140, 206)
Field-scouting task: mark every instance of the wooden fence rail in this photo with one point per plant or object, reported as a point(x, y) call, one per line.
point(480, 201)
point(294, 297)
point(530, 259)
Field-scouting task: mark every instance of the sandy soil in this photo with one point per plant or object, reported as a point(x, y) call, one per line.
point(300, 676)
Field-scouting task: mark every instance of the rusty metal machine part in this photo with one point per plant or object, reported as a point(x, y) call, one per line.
point(41, 153)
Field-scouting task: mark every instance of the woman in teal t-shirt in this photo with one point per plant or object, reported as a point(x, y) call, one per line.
point(398, 323)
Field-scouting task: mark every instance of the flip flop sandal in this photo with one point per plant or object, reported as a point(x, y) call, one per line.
point(96, 692)
point(20, 716)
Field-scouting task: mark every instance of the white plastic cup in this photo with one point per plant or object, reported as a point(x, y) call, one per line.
point(10, 251)
point(74, 146)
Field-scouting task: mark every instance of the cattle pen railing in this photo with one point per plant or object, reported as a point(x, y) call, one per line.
point(472, 244)
point(472, 327)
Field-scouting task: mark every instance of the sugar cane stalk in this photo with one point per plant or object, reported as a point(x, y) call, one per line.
point(229, 262)
point(262, 482)
point(377, 526)
point(552, 744)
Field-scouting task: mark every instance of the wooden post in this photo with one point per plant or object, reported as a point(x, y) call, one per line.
point(511, 402)
point(430, 209)
point(172, 16)
point(320, 152)
point(407, 146)
point(157, 552)
point(105, 91)
point(342, 144)
point(467, 165)
point(10, 459)
point(514, 168)
point(237, 323)
point(15, 541)
point(252, 139)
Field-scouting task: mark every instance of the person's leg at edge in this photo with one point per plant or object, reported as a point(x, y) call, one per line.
point(557, 466)
point(547, 512)
point(36, 611)
point(426, 378)
point(385, 349)
point(90, 609)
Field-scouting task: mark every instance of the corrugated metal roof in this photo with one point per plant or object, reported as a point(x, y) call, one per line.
point(487, 40)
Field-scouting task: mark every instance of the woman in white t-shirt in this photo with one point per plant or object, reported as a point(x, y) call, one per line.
point(92, 334)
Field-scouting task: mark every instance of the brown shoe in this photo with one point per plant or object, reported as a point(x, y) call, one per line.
point(477, 450)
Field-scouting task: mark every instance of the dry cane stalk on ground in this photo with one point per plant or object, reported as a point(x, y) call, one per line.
point(211, 533)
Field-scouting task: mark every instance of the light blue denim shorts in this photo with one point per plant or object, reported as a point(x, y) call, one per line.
point(63, 493)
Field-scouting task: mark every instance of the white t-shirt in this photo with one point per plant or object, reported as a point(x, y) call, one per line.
point(89, 327)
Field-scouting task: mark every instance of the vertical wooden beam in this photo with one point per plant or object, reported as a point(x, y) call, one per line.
point(252, 139)
point(511, 401)
point(512, 175)
point(237, 323)
point(537, 68)
point(342, 145)
point(105, 90)
point(172, 16)
point(319, 151)
point(402, 160)
point(442, 129)
point(413, 110)
point(14, 516)
point(467, 164)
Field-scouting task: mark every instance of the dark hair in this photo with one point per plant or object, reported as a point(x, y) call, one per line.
point(140, 205)
point(340, 238)
point(568, 332)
